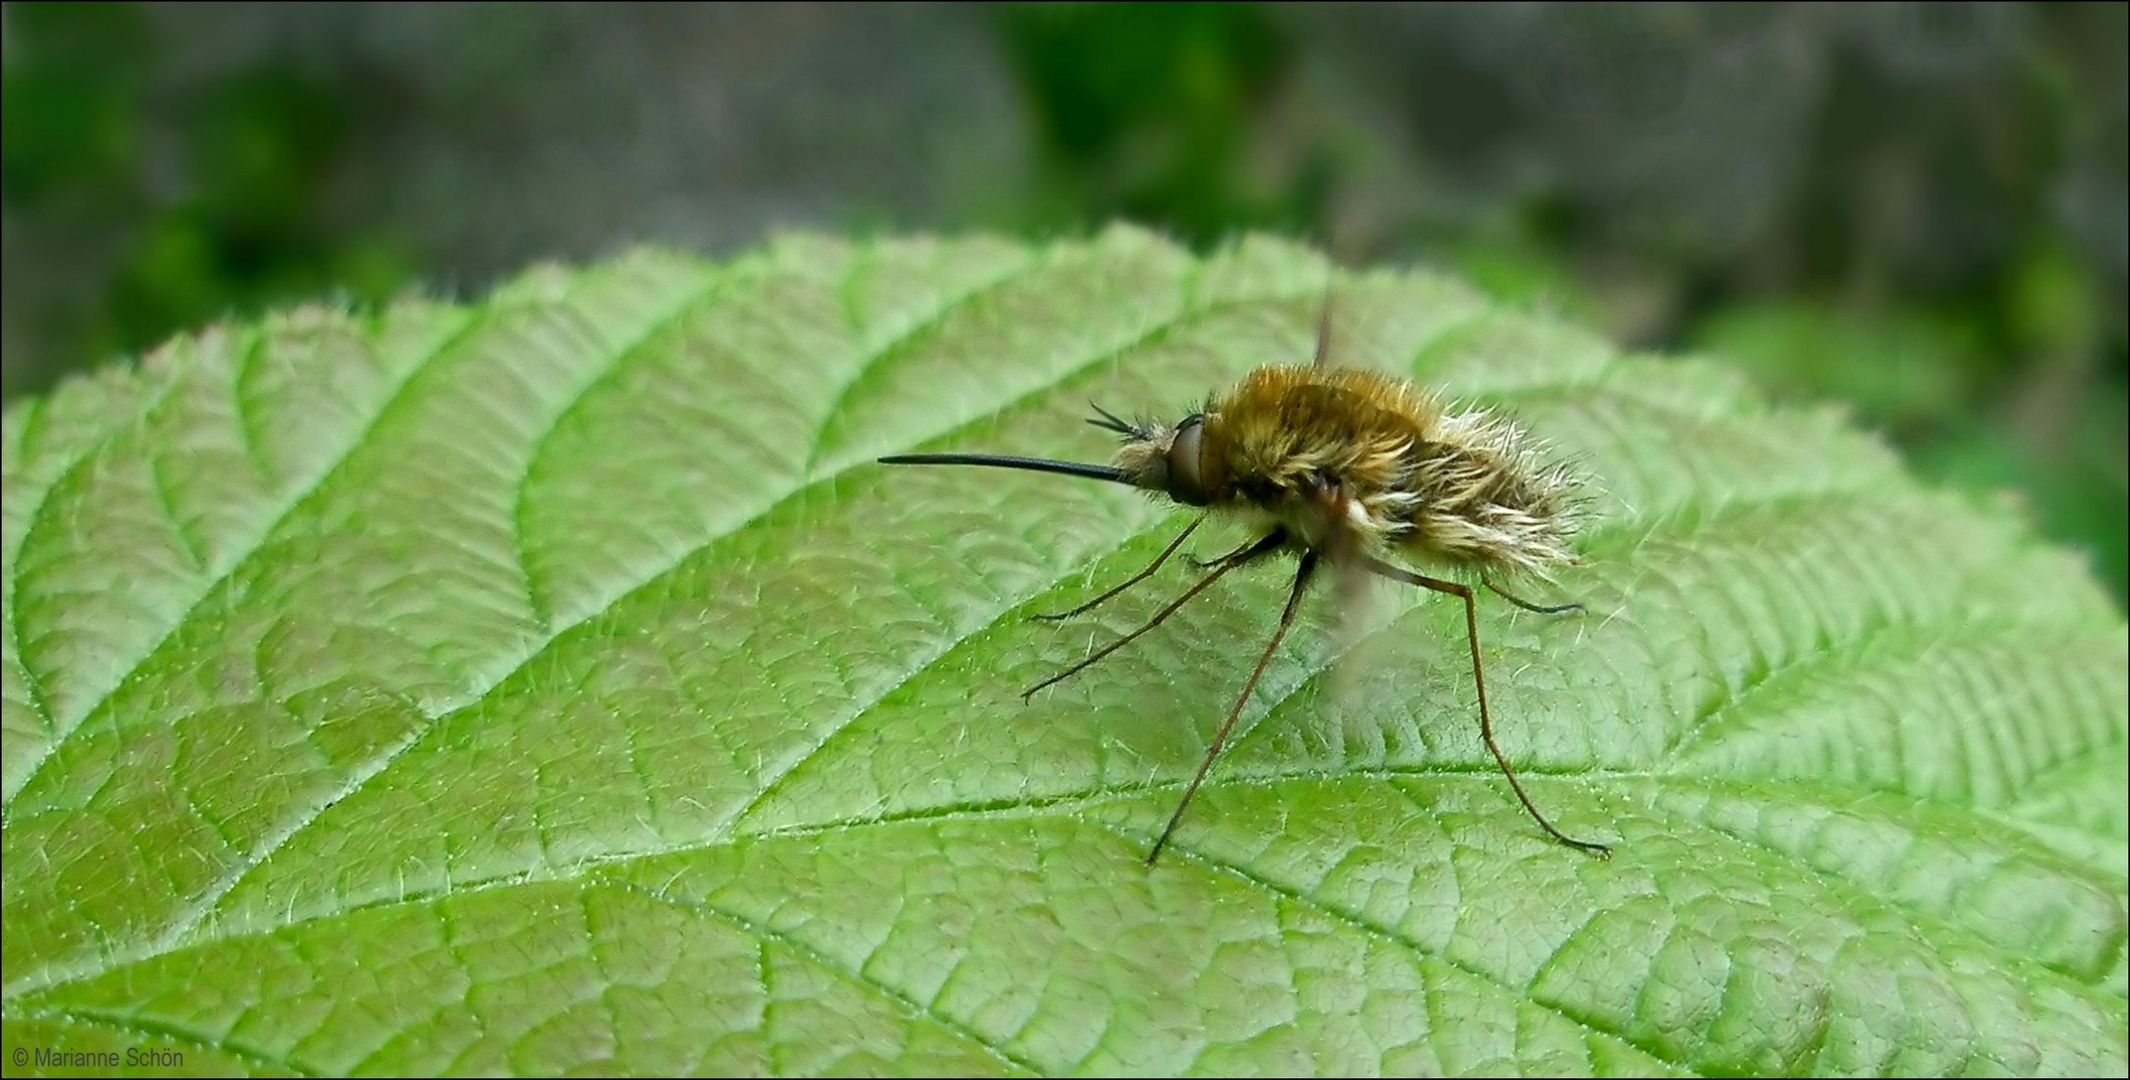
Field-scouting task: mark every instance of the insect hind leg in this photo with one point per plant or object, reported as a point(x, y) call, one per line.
point(1542, 609)
point(1479, 683)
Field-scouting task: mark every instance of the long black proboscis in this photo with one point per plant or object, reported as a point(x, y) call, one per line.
point(1007, 461)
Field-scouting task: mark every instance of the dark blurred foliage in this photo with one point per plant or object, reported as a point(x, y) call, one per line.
point(231, 212)
point(1919, 209)
point(1147, 112)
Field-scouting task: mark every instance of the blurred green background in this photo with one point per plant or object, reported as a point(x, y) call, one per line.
point(1918, 209)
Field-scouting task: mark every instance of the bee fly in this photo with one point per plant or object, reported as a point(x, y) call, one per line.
point(1343, 467)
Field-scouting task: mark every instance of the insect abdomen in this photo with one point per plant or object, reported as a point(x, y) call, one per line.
point(1485, 499)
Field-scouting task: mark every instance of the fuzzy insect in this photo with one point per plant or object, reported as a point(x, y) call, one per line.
point(1341, 467)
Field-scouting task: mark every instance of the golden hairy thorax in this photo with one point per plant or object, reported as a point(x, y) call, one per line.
point(1347, 457)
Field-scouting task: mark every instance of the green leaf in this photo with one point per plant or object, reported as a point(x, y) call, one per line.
point(556, 684)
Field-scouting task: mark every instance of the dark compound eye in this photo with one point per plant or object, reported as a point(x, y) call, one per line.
point(1185, 481)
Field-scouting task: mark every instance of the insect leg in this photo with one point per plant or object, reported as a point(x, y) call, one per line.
point(1479, 679)
point(1208, 564)
point(1271, 542)
point(1542, 609)
point(1130, 581)
point(1220, 739)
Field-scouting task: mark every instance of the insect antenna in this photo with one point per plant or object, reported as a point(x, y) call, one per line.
point(1479, 679)
point(1110, 421)
point(1270, 543)
point(1220, 739)
point(1008, 461)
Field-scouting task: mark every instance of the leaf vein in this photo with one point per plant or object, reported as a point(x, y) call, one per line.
point(766, 935)
point(1361, 924)
point(288, 507)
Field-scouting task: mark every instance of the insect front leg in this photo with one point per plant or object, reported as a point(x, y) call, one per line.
point(1130, 581)
point(1208, 564)
point(1268, 544)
